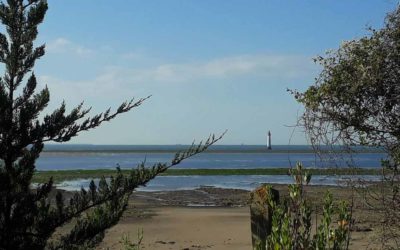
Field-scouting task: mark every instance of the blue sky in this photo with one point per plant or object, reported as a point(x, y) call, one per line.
point(209, 65)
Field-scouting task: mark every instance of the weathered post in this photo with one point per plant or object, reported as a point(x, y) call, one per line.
point(261, 215)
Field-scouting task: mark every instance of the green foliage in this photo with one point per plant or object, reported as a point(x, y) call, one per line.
point(29, 218)
point(356, 101)
point(328, 237)
point(355, 98)
point(292, 222)
point(129, 245)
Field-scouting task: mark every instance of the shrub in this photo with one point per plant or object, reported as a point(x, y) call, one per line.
point(292, 220)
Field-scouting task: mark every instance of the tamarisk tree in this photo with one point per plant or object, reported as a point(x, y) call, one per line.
point(29, 217)
point(356, 101)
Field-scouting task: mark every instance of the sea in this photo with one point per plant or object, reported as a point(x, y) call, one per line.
point(70, 157)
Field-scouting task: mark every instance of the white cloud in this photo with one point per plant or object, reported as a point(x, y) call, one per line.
point(124, 82)
point(132, 55)
point(268, 66)
point(103, 86)
point(63, 45)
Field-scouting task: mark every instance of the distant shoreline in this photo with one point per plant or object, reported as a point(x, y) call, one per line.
point(175, 151)
point(255, 151)
point(78, 148)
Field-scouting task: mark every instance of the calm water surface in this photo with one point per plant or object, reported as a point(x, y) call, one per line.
point(102, 160)
point(108, 157)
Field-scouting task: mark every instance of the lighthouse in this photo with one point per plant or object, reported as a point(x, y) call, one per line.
point(269, 140)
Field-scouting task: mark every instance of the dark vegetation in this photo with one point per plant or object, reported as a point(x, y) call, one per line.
point(356, 101)
point(29, 217)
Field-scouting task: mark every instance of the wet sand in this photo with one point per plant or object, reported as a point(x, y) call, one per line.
point(186, 228)
point(210, 218)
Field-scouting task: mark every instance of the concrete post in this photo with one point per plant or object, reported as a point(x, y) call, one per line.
point(261, 215)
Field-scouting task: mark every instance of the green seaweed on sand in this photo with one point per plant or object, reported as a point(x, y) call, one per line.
point(63, 175)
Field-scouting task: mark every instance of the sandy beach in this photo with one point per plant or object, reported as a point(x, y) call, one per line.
point(186, 228)
point(206, 218)
point(209, 218)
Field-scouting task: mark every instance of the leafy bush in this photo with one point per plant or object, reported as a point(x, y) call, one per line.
point(292, 222)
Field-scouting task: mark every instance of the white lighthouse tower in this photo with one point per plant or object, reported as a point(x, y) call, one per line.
point(269, 140)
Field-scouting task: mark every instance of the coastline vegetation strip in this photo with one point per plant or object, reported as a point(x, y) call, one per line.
point(64, 175)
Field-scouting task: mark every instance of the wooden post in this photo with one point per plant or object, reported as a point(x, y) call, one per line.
point(261, 215)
